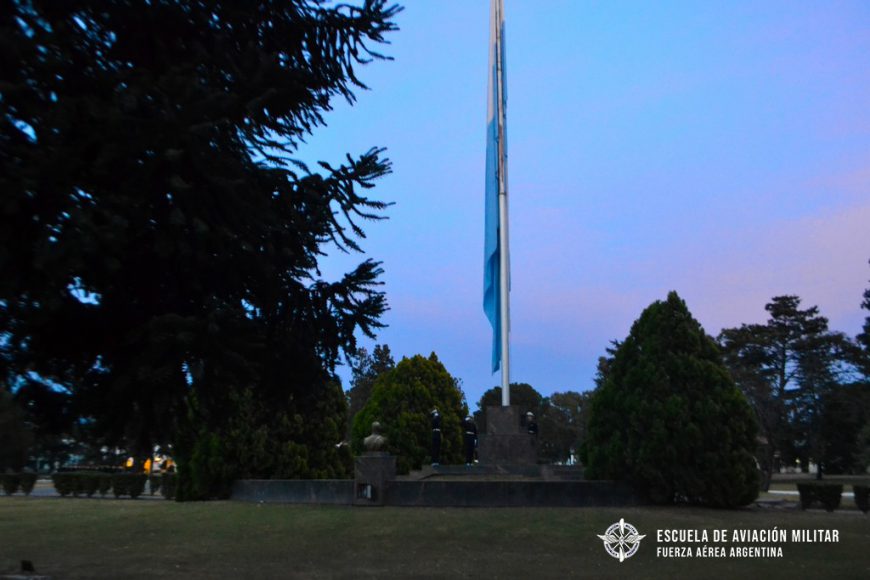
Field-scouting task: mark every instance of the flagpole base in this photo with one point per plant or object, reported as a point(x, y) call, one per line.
point(506, 441)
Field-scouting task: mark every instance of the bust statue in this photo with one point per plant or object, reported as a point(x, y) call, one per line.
point(375, 442)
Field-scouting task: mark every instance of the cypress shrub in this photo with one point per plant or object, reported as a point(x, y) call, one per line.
point(668, 418)
point(286, 437)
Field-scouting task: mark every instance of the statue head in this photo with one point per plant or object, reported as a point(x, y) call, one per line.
point(375, 441)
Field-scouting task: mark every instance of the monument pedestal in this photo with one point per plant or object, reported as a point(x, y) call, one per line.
point(371, 473)
point(506, 441)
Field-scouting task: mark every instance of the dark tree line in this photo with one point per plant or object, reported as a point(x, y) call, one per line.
point(809, 386)
point(159, 242)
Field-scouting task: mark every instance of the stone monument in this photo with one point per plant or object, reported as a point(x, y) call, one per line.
point(507, 441)
point(373, 469)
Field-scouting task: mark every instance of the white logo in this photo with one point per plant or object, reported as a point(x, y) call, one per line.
point(621, 540)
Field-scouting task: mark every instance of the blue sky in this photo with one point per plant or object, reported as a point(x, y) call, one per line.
point(719, 149)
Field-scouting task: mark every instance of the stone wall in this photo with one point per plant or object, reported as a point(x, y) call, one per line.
point(316, 491)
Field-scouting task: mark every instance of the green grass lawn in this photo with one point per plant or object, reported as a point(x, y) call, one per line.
point(86, 538)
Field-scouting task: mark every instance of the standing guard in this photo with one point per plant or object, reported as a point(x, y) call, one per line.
point(531, 424)
point(436, 437)
point(470, 437)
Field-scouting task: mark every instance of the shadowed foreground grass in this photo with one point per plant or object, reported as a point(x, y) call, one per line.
point(90, 538)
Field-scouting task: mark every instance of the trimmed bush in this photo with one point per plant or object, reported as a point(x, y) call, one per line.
point(132, 484)
point(153, 484)
point(82, 482)
point(28, 481)
point(79, 487)
point(63, 483)
point(88, 483)
point(104, 483)
point(827, 494)
point(862, 497)
point(119, 484)
point(11, 482)
point(168, 484)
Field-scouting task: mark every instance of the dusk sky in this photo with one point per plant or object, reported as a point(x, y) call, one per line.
point(719, 149)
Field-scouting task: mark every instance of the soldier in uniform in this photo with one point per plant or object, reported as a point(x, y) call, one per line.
point(436, 437)
point(531, 424)
point(470, 437)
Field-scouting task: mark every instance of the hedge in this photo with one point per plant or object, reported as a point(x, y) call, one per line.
point(132, 484)
point(105, 483)
point(86, 483)
point(90, 482)
point(827, 494)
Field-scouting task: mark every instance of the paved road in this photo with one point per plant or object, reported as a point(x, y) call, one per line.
point(788, 492)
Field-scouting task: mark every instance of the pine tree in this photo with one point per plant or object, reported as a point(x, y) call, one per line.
point(366, 370)
point(669, 419)
point(787, 367)
point(158, 237)
point(863, 339)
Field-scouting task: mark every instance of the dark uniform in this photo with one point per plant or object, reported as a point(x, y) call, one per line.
point(531, 424)
point(436, 437)
point(470, 437)
point(532, 427)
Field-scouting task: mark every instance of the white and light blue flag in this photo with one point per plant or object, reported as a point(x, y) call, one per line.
point(495, 164)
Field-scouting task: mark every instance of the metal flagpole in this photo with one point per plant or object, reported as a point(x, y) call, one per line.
point(504, 254)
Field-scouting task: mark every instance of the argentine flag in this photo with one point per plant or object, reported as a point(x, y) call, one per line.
point(496, 181)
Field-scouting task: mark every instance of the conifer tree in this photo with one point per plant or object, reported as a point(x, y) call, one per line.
point(366, 370)
point(787, 368)
point(669, 419)
point(159, 237)
point(863, 339)
point(402, 400)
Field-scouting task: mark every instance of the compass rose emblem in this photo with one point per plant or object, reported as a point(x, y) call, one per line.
point(621, 540)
